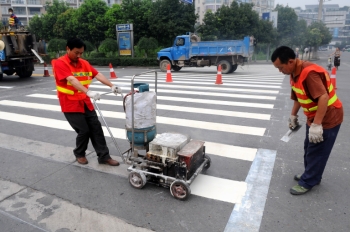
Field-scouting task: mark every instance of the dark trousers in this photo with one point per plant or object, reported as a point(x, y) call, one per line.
point(316, 156)
point(88, 127)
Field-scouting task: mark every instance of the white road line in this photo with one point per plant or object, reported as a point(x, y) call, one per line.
point(162, 120)
point(6, 87)
point(206, 75)
point(211, 88)
point(228, 84)
point(205, 101)
point(177, 108)
point(27, 206)
point(119, 133)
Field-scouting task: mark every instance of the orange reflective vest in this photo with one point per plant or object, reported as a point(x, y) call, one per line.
point(82, 74)
point(309, 106)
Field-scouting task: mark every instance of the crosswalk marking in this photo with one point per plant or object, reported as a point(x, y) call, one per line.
point(162, 120)
point(206, 75)
point(176, 108)
point(206, 101)
point(5, 87)
point(64, 125)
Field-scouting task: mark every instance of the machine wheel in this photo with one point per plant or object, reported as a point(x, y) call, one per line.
point(176, 68)
point(137, 179)
point(163, 65)
point(207, 166)
point(225, 66)
point(180, 190)
point(234, 68)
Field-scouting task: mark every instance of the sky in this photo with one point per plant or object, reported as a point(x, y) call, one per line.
point(302, 3)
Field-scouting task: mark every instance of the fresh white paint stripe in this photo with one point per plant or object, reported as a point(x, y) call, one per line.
point(201, 88)
point(117, 133)
point(28, 206)
point(207, 75)
point(227, 84)
point(162, 120)
point(212, 79)
point(229, 151)
point(178, 108)
point(212, 76)
point(205, 101)
point(218, 188)
point(247, 215)
point(6, 87)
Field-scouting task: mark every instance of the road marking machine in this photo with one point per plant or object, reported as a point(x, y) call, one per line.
point(172, 160)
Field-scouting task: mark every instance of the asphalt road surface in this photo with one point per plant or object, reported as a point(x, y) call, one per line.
point(246, 188)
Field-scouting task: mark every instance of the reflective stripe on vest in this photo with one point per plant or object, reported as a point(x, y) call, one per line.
point(11, 21)
point(306, 103)
point(84, 77)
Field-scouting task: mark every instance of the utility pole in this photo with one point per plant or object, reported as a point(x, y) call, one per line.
point(320, 6)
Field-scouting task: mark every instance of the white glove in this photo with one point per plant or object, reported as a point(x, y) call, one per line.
point(315, 133)
point(293, 122)
point(116, 89)
point(93, 95)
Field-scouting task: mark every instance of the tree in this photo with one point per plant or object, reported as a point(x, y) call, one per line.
point(65, 24)
point(113, 17)
point(287, 25)
point(90, 24)
point(138, 12)
point(89, 47)
point(57, 45)
point(109, 46)
point(147, 44)
point(170, 18)
point(208, 30)
point(35, 26)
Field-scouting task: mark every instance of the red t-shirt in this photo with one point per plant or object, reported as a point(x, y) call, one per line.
point(62, 71)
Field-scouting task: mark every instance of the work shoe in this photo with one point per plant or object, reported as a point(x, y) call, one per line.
point(110, 162)
point(82, 160)
point(298, 190)
point(298, 176)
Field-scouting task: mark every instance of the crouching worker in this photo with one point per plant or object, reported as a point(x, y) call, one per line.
point(73, 76)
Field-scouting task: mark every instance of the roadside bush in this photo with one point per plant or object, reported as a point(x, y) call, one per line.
point(118, 61)
point(95, 54)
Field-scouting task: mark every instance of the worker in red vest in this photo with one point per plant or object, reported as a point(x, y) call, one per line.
point(73, 76)
point(313, 92)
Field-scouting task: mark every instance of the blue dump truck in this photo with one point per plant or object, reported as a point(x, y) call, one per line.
point(189, 51)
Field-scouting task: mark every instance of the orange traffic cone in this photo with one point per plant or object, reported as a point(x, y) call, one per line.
point(333, 77)
point(168, 74)
point(111, 70)
point(219, 76)
point(46, 71)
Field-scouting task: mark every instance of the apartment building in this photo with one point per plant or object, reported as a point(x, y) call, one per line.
point(26, 9)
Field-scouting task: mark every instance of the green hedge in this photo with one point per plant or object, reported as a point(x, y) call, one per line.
point(117, 61)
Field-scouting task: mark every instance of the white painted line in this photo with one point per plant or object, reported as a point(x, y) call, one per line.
point(28, 205)
point(117, 133)
point(178, 108)
point(229, 151)
point(206, 75)
point(247, 215)
point(6, 87)
point(219, 189)
point(206, 101)
point(201, 88)
point(228, 128)
point(197, 83)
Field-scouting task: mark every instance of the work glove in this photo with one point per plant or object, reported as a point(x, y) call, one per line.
point(315, 133)
point(116, 89)
point(93, 95)
point(293, 122)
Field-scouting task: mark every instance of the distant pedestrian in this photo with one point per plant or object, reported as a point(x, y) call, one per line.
point(337, 55)
point(297, 52)
point(312, 91)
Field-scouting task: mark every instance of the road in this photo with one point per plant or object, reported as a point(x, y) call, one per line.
point(42, 188)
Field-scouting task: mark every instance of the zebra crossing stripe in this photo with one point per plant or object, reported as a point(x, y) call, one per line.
point(177, 108)
point(6, 87)
point(162, 120)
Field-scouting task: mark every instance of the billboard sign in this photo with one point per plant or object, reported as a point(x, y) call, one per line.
point(271, 16)
point(125, 38)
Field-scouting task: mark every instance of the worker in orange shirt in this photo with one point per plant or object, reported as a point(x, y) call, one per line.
point(73, 76)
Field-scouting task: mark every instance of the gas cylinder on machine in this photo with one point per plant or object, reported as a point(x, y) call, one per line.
point(145, 108)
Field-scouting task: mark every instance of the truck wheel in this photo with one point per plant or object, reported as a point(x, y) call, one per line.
point(9, 72)
point(163, 65)
point(234, 68)
point(176, 68)
point(24, 73)
point(225, 66)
